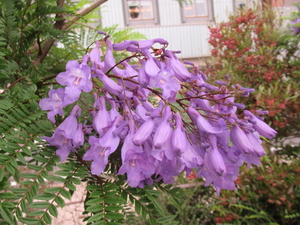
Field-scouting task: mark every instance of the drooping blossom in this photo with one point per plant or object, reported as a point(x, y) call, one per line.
point(137, 167)
point(54, 103)
point(98, 155)
point(260, 126)
point(95, 57)
point(164, 129)
point(240, 140)
point(76, 79)
point(134, 46)
point(179, 69)
point(194, 126)
point(67, 136)
point(101, 119)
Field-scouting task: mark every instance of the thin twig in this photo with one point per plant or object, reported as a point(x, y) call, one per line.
point(13, 83)
point(83, 13)
point(43, 50)
point(60, 25)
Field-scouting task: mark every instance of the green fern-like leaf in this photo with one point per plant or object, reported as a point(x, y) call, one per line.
point(103, 203)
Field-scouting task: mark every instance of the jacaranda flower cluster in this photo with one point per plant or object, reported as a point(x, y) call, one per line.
point(159, 115)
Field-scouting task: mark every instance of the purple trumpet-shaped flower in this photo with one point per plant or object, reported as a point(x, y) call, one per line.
point(140, 110)
point(179, 69)
point(124, 45)
point(202, 123)
point(256, 144)
point(101, 148)
point(77, 78)
point(151, 68)
point(168, 83)
point(209, 86)
point(251, 158)
point(70, 124)
point(78, 137)
point(240, 140)
point(110, 85)
point(214, 158)
point(113, 111)
point(54, 103)
point(202, 103)
point(134, 46)
point(113, 87)
point(295, 26)
point(128, 143)
point(179, 139)
point(98, 155)
point(144, 132)
point(102, 118)
point(164, 129)
point(65, 134)
point(168, 169)
point(215, 170)
point(190, 158)
point(165, 150)
point(95, 56)
point(109, 140)
point(143, 77)
point(109, 59)
point(62, 143)
point(137, 167)
point(260, 126)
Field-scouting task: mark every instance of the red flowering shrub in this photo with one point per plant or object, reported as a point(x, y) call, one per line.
point(251, 50)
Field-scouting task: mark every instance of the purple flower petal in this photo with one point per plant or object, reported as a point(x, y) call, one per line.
point(144, 132)
point(256, 144)
point(240, 140)
point(69, 125)
point(124, 45)
point(110, 85)
point(179, 139)
point(202, 123)
point(181, 72)
point(213, 157)
point(54, 103)
point(98, 154)
point(102, 118)
point(109, 140)
point(151, 68)
point(143, 77)
point(164, 130)
point(95, 56)
point(260, 126)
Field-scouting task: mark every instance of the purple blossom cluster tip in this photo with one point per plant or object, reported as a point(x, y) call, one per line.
point(157, 116)
point(295, 26)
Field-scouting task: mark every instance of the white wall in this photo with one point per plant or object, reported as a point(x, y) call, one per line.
point(191, 39)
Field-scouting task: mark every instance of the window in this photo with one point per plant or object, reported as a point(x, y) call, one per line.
point(197, 11)
point(142, 12)
point(240, 4)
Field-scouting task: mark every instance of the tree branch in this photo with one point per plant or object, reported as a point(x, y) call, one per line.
point(60, 25)
point(43, 51)
point(83, 13)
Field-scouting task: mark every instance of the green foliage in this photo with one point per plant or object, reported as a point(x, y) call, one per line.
point(147, 203)
point(265, 195)
point(33, 183)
